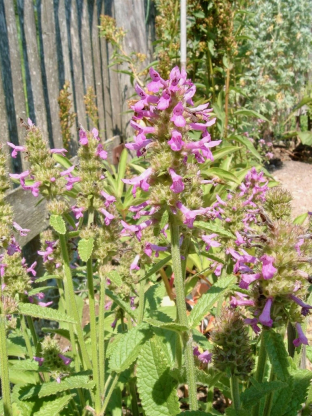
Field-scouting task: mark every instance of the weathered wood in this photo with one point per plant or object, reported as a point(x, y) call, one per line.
point(111, 84)
point(12, 75)
point(50, 54)
point(97, 68)
point(77, 66)
point(35, 83)
point(4, 131)
point(86, 49)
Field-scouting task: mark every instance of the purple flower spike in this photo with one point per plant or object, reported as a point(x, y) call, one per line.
point(66, 360)
point(176, 143)
point(83, 139)
point(177, 182)
point(208, 239)
point(268, 270)
point(189, 94)
point(302, 339)
point(201, 126)
point(101, 152)
point(78, 212)
point(190, 215)
point(177, 116)
point(265, 318)
point(39, 360)
point(205, 357)
point(247, 279)
point(16, 149)
point(140, 143)
point(305, 306)
point(157, 81)
point(242, 301)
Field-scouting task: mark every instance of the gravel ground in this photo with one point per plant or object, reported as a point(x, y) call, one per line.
point(296, 177)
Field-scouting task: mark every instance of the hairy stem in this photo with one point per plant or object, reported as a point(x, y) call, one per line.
point(235, 392)
point(260, 370)
point(4, 364)
point(101, 335)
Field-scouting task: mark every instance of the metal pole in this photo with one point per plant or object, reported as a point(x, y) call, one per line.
point(183, 33)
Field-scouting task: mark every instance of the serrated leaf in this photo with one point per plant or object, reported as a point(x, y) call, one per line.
point(250, 113)
point(47, 389)
point(50, 314)
point(157, 389)
point(58, 224)
point(16, 349)
point(48, 277)
point(29, 365)
point(115, 277)
point(207, 379)
point(125, 306)
point(214, 227)
point(39, 290)
point(301, 384)
point(254, 393)
point(53, 408)
point(206, 302)
point(281, 399)
point(22, 377)
point(85, 248)
point(300, 219)
point(275, 347)
point(128, 348)
point(222, 174)
point(171, 326)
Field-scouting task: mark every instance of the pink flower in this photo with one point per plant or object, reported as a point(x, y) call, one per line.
point(176, 143)
point(39, 360)
point(201, 126)
point(108, 216)
point(101, 152)
point(31, 269)
point(109, 198)
point(23, 231)
point(16, 149)
point(78, 212)
point(95, 133)
point(2, 269)
point(140, 181)
point(204, 357)
point(265, 318)
point(134, 264)
point(177, 116)
point(149, 248)
point(189, 215)
point(247, 279)
point(177, 182)
point(253, 322)
point(66, 360)
point(157, 81)
point(140, 143)
point(145, 99)
point(305, 306)
point(302, 339)
point(242, 301)
point(67, 171)
point(83, 139)
point(59, 151)
point(34, 187)
point(208, 239)
point(189, 95)
point(268, 270)
point(22, 175)
point(142, 129)
point(240, 239)
point(164, 101)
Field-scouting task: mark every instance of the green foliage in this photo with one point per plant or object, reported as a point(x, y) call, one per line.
point(44, 313)
point(57, 222)
point(277, 353)
point(155, 385)
point(85, 248)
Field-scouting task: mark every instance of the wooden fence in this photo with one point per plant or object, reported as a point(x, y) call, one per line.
point(44, 43)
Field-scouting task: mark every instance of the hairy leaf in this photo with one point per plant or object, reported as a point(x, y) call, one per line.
point(277, 353)
point(157, 389)
point(125, 306)
point(171, 326)
point(53, 408)
point(58, 224)
point(85, 248)
point(301, 384)
point(44, 313)
point(206, 302)
point(128, 348)
point(254, 393)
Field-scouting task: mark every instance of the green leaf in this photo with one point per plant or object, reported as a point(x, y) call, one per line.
point(22, 377)
point(52, 387)
point(40, 289)
point(281, 399)
point(50, 314)
point(301, 384)
point(125, 306)
point(254, 393)
point(164, 219)
point(250, 113)
point(63, 161)
point(247, 143)
point(207, 379)
point(305, 137)
point(156, 267)
point(300, 219)
point(206, 302)
point(85, 248)
point(212, 257)
point(157, 389)
point(128, 348)
point(171, 326)
point(59, 331)
point(230, 411)
point(220, 153)
point(16, 347)
point(195, 413)
point(115, 277)
point(53, 408)
point(58, 224)
point(214, 228)
point(122, 165)
point(48, 277)
point(222, 174)
point(275, 347)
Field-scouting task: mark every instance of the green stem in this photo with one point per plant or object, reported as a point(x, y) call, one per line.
point(235, 392)
point(26, 337)
point(134, 399)
point(72, 306)
point(260, 370)
point(32, 330)
point(101, 335)
point(109, 393)
point(4, 363)
point(269, 398)
point(141, 301)
point(93, 330)
point(181, 309)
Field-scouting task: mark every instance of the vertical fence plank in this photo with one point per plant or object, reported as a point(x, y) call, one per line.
point(97, 68)
point(11, 69)
point(4, 131)
point(111, 84)
point(50, 54)
point(77, 66)
point(63, 12)
point(86, 50)
point(35, 82)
